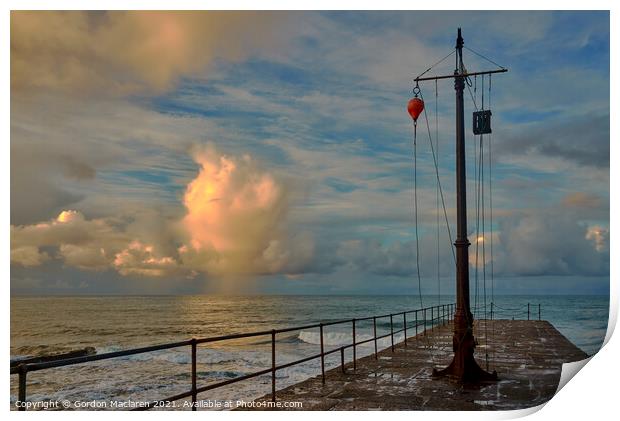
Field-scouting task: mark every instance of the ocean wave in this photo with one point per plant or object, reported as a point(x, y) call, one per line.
point(207, 356)
point(344, 338)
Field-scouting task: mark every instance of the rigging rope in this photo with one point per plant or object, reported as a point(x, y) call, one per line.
point(415, 207)
point(484, 260)
point(440, 61)
point(437, 195)
point(417, 243)
point(491, 223)
point(443, 202)
point(479, 164)
point(491, 202)
point(482, 56)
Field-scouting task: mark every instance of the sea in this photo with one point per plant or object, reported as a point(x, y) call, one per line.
point(51, 325)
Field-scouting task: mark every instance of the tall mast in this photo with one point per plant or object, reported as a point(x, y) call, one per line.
point(463, 366)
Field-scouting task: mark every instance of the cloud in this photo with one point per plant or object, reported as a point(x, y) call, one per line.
point(582, 141)
point(28, 256)
point(130, 51)
point(550, 243)
point(234, 225)
point(599, 236)
point(336, 124)
point(234, 211)
point(582, 200)
point(397, 259)
point(87, 244)
point(140, 259)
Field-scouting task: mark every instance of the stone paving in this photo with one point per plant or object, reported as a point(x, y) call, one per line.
point(527, 356)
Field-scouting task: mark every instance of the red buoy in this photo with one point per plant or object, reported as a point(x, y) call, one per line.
point(415, 108)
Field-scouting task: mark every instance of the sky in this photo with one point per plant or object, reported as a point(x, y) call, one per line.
point(271, 152)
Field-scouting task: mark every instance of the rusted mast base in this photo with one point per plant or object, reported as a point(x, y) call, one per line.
point(464, 369)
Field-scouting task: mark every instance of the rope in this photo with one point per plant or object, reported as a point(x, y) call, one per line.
point(472, 98)
point(437, 195)
point(480, 55)
point(415, 206)
point(477, 185)
point(484, 260)
point(491, 202)
point(477, 167)
point(429, 69)
point(491, 222)
point(443, 202)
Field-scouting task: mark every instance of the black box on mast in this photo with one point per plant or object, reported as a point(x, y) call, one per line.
point(482, 122)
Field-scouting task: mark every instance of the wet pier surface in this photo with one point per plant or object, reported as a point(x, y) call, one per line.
point(527, 355)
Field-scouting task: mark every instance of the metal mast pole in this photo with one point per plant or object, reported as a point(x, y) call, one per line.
point(463, 367)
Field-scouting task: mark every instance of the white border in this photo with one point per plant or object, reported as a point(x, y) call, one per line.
point(592, 393)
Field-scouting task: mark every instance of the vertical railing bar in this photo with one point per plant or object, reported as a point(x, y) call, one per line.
point(392, 332)
point(405, 327)
point(374, 325)
point(322, 355)
point(194, 394)
point(424, 322)
point(416, 324)
point(273, 365)
point(354, 353)
point(432, 319)
point(21, 398)
point(538, 311)
point(342, 359)
point(528, 311)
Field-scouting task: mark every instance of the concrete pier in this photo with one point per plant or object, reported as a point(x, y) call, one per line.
point(527, 355)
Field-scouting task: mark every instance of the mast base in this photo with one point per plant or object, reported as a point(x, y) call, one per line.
point(464, 369)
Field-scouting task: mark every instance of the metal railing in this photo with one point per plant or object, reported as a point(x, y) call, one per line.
point(439, 315)
point(529, 311)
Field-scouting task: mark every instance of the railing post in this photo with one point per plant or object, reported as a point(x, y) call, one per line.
point(374, 326)
point(491, 310)
point(528, 311)
point(405, 326)
point(424, 322)
point(21, 397)
point(273, 365)
point(392, 331)
point(322, 356)
point(354, 352)
point(194, 394)
point(416, 324)
point(538, 311)
point(342, 359)
point(432, 318)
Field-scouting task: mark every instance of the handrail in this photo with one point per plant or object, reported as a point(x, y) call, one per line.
point(440, 314)
point(518, 311)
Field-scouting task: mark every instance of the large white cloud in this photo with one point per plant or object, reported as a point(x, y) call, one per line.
point(234, 225)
